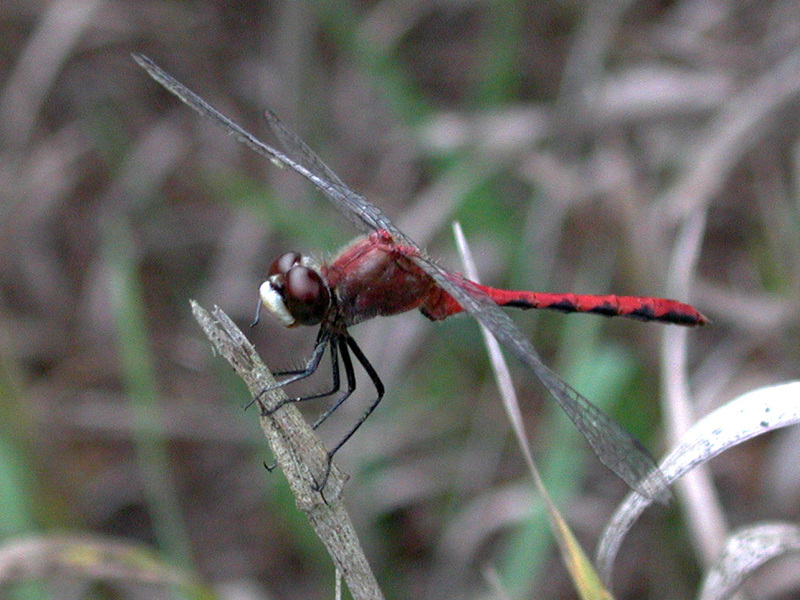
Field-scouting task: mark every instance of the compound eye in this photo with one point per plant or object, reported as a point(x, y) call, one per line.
point(283, 263)
point(306, 295)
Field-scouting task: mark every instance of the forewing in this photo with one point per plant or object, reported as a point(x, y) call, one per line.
point(299, 157)
point(616, 448)
point(353, 205)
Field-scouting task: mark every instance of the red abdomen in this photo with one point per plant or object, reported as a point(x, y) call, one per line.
point(632, 307)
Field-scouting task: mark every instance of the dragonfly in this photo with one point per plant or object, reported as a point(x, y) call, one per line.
point(386, 273)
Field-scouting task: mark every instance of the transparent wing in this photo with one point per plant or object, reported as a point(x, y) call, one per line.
point(351, 203)
point(298, 156)
point(616, 448)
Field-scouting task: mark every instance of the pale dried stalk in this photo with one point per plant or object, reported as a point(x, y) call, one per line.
point(299, 453)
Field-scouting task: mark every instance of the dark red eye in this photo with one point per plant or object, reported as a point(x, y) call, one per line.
point(284, 262)
point(306, 295)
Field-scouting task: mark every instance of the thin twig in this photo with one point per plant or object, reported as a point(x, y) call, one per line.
point(298, 452)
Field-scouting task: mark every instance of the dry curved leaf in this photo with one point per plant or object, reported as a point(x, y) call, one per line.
point(746, 550)
point(749, 415)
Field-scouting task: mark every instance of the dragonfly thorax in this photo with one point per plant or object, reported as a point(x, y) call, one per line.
point(295, 292)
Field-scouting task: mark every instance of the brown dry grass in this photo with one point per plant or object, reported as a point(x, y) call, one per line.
point(571, 140)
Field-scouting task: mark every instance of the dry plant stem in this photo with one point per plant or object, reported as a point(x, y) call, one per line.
point(298, 452)
point(701, 504)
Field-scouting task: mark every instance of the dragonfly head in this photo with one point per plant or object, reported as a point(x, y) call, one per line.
point(295, 292)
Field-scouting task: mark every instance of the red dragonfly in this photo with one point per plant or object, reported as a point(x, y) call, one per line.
point(386, 273)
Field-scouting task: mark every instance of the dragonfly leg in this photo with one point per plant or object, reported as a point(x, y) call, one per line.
point(349, 374)
point(334, 341)
point(335, 377)
point(312, 364)
point(340, 345)
point(379, 388)
point(376, 381)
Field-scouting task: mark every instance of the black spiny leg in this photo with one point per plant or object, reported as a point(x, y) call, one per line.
point(312, 364)
point(311, 367)
point(334, 342)
point(323, 338)
point(376, 381)
point(338, 343)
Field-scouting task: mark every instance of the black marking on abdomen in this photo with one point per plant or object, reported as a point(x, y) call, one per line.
point(520, 304)
point(645, 313)
point(564, 306)
point(679, 318)
point(606, 310)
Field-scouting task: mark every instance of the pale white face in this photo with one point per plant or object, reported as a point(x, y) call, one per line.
point(272, 300)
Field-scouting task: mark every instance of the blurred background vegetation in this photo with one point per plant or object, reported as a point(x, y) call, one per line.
point(571, 139)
